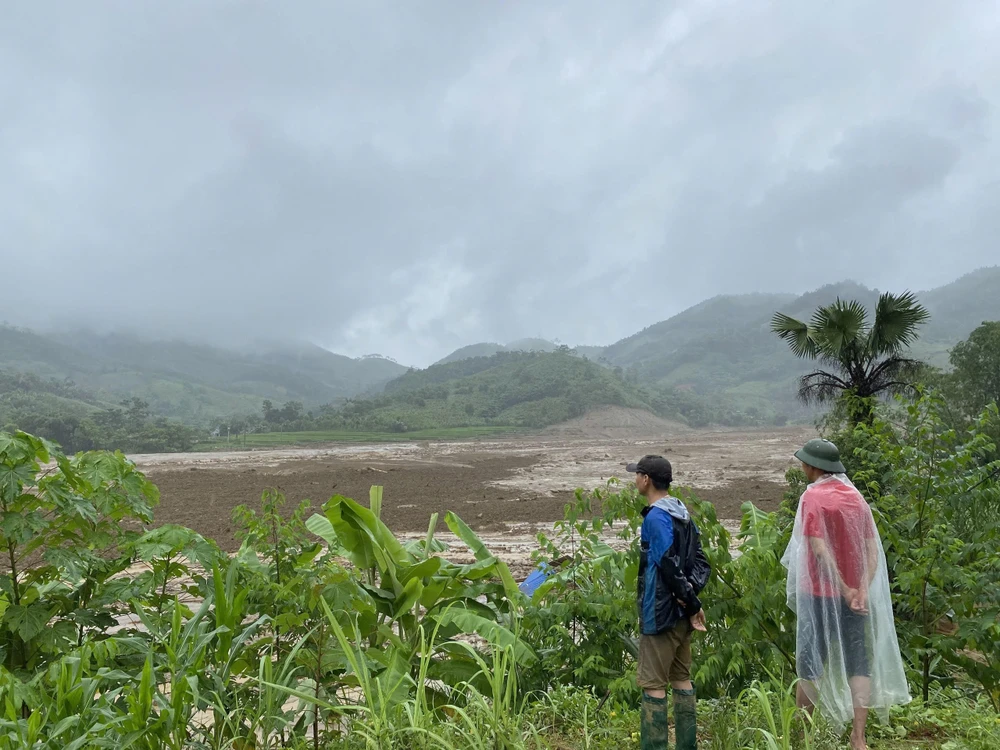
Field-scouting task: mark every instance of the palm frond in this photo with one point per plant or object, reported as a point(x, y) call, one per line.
point(851, 353)
point(838, 327)
point(796, 334)
point(819, 386)
point(891, 376)
point(897, 318)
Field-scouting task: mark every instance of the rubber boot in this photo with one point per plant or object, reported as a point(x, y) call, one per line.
point(685, 720)
point(653, 728)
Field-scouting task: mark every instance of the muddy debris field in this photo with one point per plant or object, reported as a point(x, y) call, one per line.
point(505, 489)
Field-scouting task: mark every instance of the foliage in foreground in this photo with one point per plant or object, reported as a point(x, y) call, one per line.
point(327, 631)
point(115, 636)
point(936, 497)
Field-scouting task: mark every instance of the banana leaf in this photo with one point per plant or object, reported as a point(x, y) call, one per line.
point(473, 542)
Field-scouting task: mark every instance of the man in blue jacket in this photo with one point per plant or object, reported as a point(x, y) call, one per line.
point(673, 570)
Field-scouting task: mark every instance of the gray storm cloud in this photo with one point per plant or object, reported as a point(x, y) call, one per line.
point(376, 176)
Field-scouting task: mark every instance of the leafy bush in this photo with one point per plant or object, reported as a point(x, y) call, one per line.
point(115, 635)
point(585, 622)
point(938, 509)
point(66, 534)
point(976, 363)
point(328, 631)
point(582, 621)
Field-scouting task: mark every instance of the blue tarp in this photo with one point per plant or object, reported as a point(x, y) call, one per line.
point(535, 579)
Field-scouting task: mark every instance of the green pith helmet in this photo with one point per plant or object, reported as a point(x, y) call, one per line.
point(821, 454)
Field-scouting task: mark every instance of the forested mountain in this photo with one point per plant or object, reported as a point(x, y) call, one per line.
point(192, 382)
point(717, 362)
point(488, 349)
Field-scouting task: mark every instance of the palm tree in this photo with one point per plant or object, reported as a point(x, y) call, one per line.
point(857, 358)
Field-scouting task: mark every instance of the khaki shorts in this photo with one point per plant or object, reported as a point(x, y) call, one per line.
point(665, 657)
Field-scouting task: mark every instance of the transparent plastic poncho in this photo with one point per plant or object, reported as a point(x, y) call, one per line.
point(846, 647)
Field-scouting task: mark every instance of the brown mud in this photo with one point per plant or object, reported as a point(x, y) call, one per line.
point(506, 487)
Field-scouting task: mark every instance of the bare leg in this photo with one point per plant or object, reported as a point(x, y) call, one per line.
point(861, 693)
point(805, 696)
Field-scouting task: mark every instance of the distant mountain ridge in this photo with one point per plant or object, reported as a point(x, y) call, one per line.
point(723, 348)
point(489, 348)
point(956, 309)
point(959, 307)
point(193, 382)
point(715, 358)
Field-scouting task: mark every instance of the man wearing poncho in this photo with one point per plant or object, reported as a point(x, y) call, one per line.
point(847, 654)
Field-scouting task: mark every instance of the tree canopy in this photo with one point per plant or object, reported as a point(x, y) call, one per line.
point(976, 360)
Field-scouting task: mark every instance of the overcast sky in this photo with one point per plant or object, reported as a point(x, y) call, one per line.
point(408, 177)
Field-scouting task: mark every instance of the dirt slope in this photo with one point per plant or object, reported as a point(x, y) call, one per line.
point(617, 423)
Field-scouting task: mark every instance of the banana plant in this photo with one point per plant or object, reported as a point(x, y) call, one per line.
point(415, 591)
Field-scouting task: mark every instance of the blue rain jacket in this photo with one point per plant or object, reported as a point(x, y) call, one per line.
point(673, 568)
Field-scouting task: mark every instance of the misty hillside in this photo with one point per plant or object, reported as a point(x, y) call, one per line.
point(723, 347)
point(44, 397)
point(717, 317)
point(488, 349)
point(739, 325)
point(957, 308)
point(515, 389)
point(716, 362)
point(192, 382)
point(726, 330)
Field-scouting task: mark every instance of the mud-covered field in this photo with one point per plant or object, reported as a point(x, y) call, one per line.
point(505, 488)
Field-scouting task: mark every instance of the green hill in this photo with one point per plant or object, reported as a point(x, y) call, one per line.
point(720, 350)
point(722, 355)
point(716, 317)
point(193, 382)
point(716, 362)
point(79, 419)
point(723, 350)
point(488, 349)
point(472, 351)
point(958, 308)
point(47, 407)
point(515, 389)
point(22, 393)
point(27, 351)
